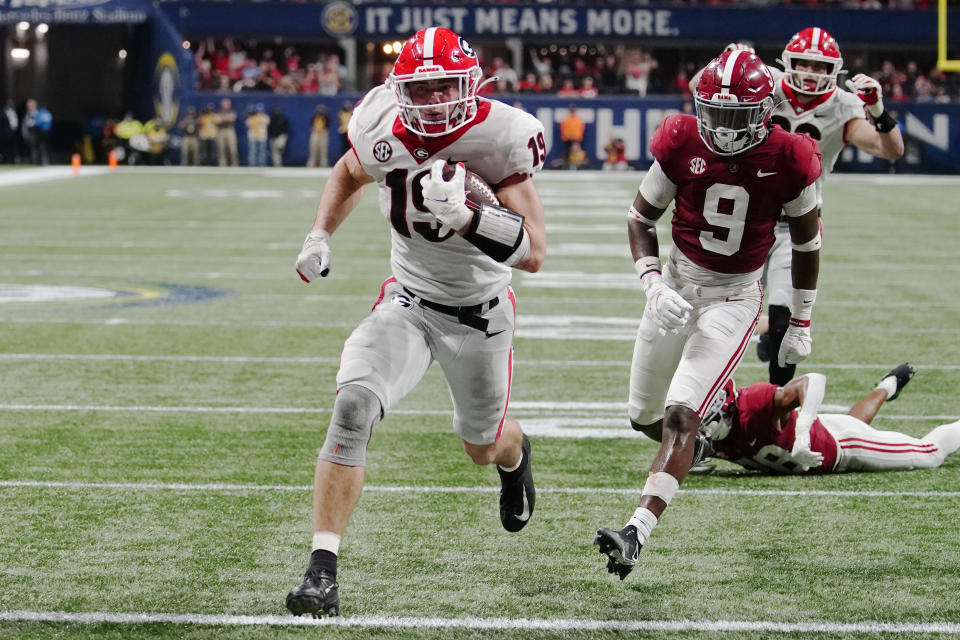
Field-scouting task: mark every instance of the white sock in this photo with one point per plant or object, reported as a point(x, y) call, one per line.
point(946, 437)
point(326, 540)
point(644, 521)
point(514, 467)
point(888, 384)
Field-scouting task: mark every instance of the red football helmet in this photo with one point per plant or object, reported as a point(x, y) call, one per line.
point(812, 46)
point(734, 100)
point(434, 108)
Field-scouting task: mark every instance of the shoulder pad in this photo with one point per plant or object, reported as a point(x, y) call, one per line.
point(671, 134)
point(804, 158)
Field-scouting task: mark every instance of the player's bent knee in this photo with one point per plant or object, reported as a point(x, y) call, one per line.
point(480, 454)
point(355, 412)
point(681, 421)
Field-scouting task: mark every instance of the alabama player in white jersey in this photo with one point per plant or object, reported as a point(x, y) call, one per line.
point(809, 102)
point(449, 299)
point(729, 173)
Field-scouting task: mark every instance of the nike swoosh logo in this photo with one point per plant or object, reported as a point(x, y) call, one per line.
point(819, 115)
point(524, 515)
point(764, 174)
point(808, 302)
point(753, 442)
point(490, 334)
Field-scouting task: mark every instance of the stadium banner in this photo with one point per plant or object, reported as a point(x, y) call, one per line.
point(931, 131)
point(551, 23)
point(87, 12)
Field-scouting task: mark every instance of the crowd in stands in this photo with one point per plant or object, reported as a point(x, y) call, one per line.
point(577, 71)
point(230, 66)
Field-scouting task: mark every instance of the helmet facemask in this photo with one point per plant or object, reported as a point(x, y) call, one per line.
point(437, 115)
point(729, 127)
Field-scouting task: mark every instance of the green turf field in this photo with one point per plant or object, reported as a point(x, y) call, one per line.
point(158, 431)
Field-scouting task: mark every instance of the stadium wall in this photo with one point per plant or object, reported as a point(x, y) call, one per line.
point(931, 131)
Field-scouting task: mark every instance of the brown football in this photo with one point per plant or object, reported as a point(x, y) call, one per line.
point(477, 190)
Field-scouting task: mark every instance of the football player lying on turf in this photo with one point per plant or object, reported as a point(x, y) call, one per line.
point(779, 430)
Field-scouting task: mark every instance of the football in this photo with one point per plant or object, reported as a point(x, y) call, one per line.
point(477, 190)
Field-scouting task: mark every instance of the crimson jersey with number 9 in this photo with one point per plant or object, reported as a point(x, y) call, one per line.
point(727, 206)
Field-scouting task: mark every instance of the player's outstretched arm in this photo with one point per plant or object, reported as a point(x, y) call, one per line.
point(340, 196)
point(864, 136)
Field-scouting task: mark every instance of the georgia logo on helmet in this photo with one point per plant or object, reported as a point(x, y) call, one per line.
point(434, 55)
point(733, 102)
point(810, 48)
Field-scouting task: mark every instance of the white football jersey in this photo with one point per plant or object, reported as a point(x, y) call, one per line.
point(500, 144)
point(823, 119)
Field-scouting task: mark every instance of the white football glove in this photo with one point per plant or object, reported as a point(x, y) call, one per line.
point(869, 91)
point(739, 46)
point(447, 200)
point(803, 455)
point(314, 259)
point(667, 307)
point(797, 343)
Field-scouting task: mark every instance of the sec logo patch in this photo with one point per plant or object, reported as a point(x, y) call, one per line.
point(697, 165)
point(382, 151)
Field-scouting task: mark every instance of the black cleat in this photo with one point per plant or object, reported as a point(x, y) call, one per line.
point(902, 373)
point(622, 549)
point(517, 493)
point(316, 595)
point(764, 347)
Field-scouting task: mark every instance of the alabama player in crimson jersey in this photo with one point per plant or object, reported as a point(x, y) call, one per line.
point(780, 430)
point(809, 102)
point(730, 173)
point(449, 299)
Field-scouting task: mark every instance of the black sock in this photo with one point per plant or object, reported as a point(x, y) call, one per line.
point(323, 559)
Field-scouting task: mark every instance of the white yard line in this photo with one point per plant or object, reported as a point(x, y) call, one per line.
point(280, 488)
point(485, 624)
point(18, 177)
point(520, 409)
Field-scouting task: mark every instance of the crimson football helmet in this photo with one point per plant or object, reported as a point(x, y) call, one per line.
point(734, 100)
point(812, 45)
point(430, 55)
point(718, 418)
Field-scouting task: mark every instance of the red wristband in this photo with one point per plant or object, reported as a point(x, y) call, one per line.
point(794, 322)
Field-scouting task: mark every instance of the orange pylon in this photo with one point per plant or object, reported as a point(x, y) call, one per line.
point(112, 160)
point(75, 163)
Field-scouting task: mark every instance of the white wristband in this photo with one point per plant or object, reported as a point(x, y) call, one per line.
point(647, 265)
point(802, 307)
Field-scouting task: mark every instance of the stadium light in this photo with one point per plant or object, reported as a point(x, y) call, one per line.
point(387, 48)
point(23, 26)
point(19, 53)
point(122, 54)
point(43, 28)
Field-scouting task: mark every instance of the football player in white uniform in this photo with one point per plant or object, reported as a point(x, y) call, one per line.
point(449, 299)
point(810, 103)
